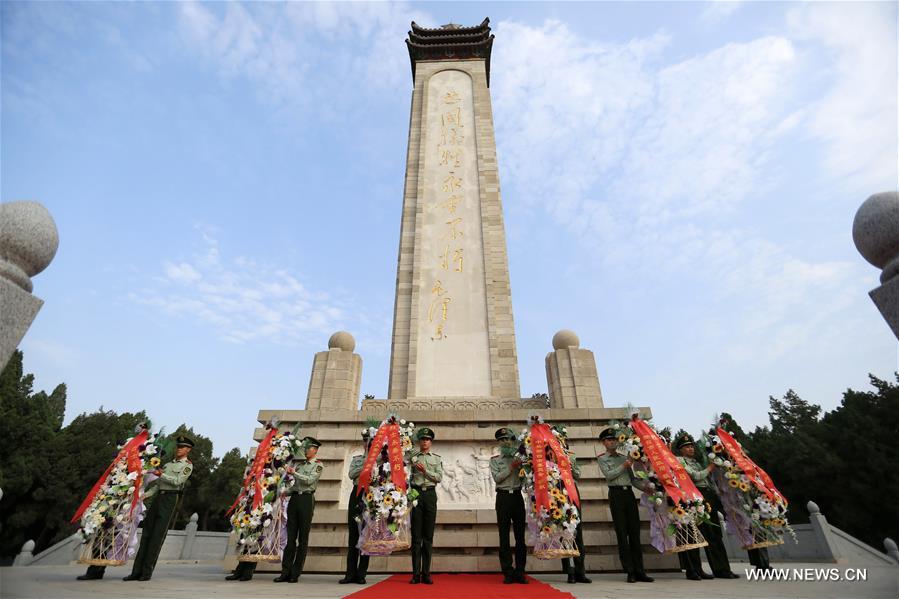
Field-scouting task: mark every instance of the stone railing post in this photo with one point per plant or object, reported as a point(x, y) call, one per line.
point(824, 538)
point(25, 555)
point(890, 545)
point(875, 231)
point(190, 535)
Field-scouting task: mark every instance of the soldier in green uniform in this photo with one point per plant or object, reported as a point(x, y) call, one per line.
point(505, 469)
point(625, 515)
point(577, 572)
point(427, 471)
point(356, 562)
point(300, 508)
point(167, 488)
point(715, 551)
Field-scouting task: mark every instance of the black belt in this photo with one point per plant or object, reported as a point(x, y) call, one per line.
point(169, 492)
point(510, 491)
point(423, 489)
point(622, 487)
point(302, 493)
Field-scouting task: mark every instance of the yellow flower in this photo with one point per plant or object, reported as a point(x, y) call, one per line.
point(622, 438)
point(744, 487)
point(369, 496)
point(547, 529)
point(388, 499)
point(557, 514)
point(732, 482)
point(522, 472)
point(154, 461)
point(717, 448)
point(679, 512)
point(527, 440)
point(635, 454)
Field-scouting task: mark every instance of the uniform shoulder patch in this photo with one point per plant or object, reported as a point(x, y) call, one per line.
point(319, 467)
point(186, 470)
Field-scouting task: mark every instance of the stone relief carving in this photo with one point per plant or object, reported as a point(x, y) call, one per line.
point(467, 482)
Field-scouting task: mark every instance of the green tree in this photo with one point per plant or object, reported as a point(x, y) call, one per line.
point(793, 452)
point(28, 424)
point(221, 489)
point(862, 431)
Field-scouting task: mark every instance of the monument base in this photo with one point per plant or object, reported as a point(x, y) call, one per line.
point(466, 539)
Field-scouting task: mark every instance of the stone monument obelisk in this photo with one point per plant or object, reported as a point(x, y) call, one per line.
point(454, 364)
point(453, 335)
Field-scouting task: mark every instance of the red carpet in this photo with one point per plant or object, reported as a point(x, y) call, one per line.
point(459, 586)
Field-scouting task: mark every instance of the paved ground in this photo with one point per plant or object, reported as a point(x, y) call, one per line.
point(199, 581)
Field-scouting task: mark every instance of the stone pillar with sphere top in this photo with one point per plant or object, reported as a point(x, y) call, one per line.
point(28, 243)
point(571, 374)
point(875, 231)
point(336, 377)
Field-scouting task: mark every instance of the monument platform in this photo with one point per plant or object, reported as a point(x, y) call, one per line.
point(466, 539)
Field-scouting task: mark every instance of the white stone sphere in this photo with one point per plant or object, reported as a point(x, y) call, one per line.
point(343, 341)
point(28, 240)
point(565, 339)
point(875, 231)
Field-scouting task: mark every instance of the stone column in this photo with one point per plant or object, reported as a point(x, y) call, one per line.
point(571, 374)
point(190, 536)
point(26, 555)
point(28, 242)
point(875, 231)
point(824, 539)
point(336, 377)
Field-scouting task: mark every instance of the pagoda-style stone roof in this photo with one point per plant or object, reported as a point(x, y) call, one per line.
point(450, 42)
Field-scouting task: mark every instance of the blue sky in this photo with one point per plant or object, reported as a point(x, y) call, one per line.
point(679, 182)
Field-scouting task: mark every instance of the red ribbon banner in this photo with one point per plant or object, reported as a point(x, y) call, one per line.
point(255, 475)
point(673, 476)
point(132, 454)
point(755, 473)
point(388, 433)
point(541, 437)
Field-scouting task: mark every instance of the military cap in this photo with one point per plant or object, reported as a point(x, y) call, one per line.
point(425, 433)
point(504, 433)
point(184, 441)
point(608, 433)
point(683, 441)
point(311, 442)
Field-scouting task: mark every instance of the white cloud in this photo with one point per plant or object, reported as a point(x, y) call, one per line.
point(653, 166)
point(351, 46)
point(182, 272)
point(857, 117)
point(244, 300)
point(718, 10)
point(636, 147)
